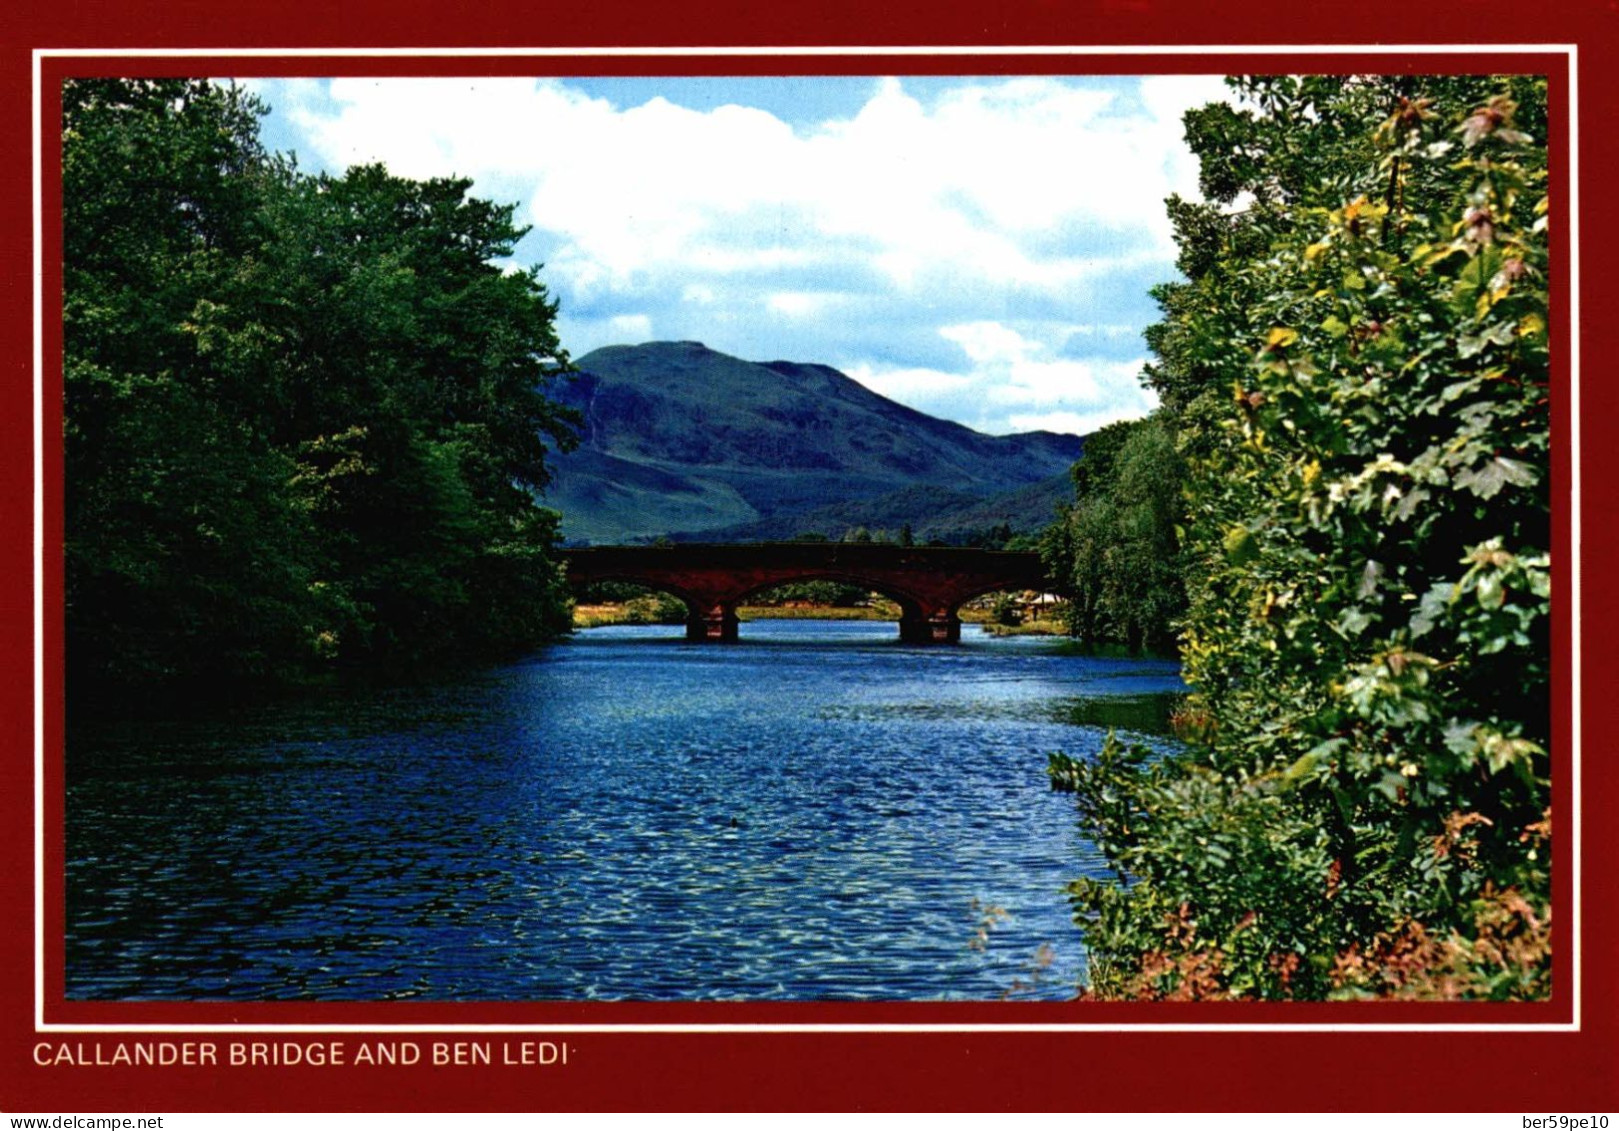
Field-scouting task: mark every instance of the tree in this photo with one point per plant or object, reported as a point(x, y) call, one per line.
point(182, 538)
point(1357, 360)
point(1115, 548)
point(305, 416)
point(827, 593)
point(417, 405)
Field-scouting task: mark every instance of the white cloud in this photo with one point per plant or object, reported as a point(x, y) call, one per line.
point(912, 385)
point(1106, 331)
point(1014, 384)
point(631, 327)
point(988, 341)
point(801, 304)
point(1079, 423)
point(1029, 381)
point(993, 222)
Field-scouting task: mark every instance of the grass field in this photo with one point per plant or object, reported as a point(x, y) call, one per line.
point(597, 616)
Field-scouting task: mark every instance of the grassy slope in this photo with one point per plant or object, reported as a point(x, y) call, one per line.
point(678, 437)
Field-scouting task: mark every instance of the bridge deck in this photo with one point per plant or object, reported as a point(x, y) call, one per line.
point(929, 582)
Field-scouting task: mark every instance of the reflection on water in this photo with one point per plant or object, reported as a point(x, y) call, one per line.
point(1135, 717)
point(810, 814)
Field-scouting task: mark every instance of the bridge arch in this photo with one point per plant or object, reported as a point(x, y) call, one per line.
point(930, 583)
point(913, 609)
point(651, 586)
point(888, 587)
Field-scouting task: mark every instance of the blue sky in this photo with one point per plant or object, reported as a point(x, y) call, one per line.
point(978, 248)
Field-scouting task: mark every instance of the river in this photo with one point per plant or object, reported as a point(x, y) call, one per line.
point(815, 813)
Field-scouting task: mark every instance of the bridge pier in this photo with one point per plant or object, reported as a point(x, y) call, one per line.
point(711, 620)
point(941, 626)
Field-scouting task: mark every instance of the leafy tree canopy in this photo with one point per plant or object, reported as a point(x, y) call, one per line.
point(305, 416)
point(1356, 370)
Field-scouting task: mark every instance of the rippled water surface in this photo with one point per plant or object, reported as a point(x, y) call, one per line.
point(818, 812)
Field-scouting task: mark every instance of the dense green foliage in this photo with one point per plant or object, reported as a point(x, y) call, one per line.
point(834, 593)
point(655, 608)
point(1356, 371)
point(305, 416)
point(1115, 551)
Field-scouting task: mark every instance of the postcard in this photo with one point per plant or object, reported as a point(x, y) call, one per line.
point(568, 564)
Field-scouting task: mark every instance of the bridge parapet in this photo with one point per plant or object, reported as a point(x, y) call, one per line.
point(930, 583)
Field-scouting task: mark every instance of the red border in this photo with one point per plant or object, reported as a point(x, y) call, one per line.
point(54, 70)
point(1454, 1071)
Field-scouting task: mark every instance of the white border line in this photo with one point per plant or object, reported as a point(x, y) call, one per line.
point(797, 52)
point(39, 548)
point(1571, 133)
point(1573, 163)
point(834, 1027)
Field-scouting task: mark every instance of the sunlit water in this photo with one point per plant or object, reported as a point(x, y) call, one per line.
point(818, 812)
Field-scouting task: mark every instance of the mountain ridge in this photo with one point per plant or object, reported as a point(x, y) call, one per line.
point(682, 441)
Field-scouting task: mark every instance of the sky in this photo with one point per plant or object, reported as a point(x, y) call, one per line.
point(980, 249)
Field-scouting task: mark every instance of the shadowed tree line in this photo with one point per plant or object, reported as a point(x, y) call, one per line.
point(304, 415)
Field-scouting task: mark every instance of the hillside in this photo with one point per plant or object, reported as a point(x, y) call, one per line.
point(930, 512)
point(679, 439)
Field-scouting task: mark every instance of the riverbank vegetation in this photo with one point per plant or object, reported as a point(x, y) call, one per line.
point(1003, 614)
point(1349, 472)
point(305, 416)
point(1036, 626)
point(612, 602)
point(1116, 549)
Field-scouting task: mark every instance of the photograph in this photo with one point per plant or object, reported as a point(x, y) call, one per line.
point(1277, 619)
point(806, 574)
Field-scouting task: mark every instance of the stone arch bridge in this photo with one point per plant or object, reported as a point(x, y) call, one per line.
point(930, 583)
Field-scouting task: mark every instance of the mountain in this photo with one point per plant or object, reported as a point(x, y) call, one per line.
point(930, 512)
point(682, 440)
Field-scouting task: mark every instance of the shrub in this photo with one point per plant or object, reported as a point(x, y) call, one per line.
point(1356, 369)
